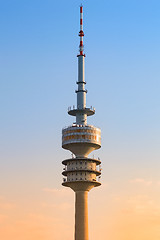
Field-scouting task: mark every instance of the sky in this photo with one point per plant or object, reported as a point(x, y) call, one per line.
point(38, 48)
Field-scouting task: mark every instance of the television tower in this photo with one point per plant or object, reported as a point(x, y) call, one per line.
point(80, 171)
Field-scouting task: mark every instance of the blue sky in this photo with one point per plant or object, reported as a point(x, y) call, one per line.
point(38, 47)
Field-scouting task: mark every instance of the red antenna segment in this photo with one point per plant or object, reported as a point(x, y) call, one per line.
point(81, 33)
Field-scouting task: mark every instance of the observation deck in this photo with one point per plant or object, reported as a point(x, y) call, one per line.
point(81, 139)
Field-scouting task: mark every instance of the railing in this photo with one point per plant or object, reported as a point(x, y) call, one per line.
point(86, 180)
point(81, 168)
point(73, 108)
point(78, 125)
point(83, 158)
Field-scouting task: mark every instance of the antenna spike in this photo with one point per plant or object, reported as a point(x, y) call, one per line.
point(81, 33)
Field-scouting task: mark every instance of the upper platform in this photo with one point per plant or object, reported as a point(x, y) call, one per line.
point(87, 111)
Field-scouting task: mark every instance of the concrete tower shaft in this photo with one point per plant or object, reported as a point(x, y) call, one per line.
point(80, 172)
point(81, 215)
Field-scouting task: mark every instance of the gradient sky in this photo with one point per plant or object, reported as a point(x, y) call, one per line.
point(38, 47)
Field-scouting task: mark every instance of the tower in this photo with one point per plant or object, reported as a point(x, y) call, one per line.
point(81, 172)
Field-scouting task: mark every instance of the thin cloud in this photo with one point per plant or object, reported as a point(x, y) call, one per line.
point(58, 192)
point(142, 181)
point(62, 206)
